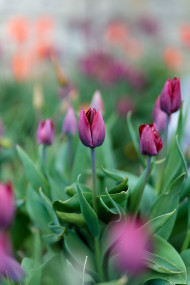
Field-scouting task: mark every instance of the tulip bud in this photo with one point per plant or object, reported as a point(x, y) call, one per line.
point(70, 123)
point(160, 117)
point(97, 101)
point(150, 140)
point(9, 267)
point(7, 205)
point(91, 128)
point(170, 98)
point(45, 132)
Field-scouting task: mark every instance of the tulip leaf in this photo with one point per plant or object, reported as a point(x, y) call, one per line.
point(121, 281)
point(88, 213)
point(185, 256)
point(166, 263)
point(134, 139)
point(123, 186)
point(182, 156)
point(33, 174)
point(156, 223)
point(49, 208)
point(72, 218)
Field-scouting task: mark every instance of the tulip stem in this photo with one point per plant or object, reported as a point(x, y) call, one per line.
point(94, 201)
point(70, 144)
point(44, 153)
point(165, 139)
point(143, 186)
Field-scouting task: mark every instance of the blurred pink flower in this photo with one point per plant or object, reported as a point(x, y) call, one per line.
point(159, 116)
point(133, 245)
point(97, 101)
point(7, 205)
point(124, 105)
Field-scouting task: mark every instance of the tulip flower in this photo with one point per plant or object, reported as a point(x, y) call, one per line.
point(7, 205)
point(45, 132)
point(91, 128)
point(150, 140)
point(160, 117)
point(70, 123)
point(9, 267)
point(170, 98)
point(132, 245)
point(97, 101)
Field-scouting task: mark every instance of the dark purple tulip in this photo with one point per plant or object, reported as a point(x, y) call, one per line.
point(7, 205)
point(9, 267)
point(159, 117)
point(150, 140)
point(170, 98)
point(45, 132)
point(91, 128)
point(70, 123)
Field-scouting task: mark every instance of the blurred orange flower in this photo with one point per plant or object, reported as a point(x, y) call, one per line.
point(18, 29)
point(185, 34)
point(44, 27)
point(173, 58)
point(43, 49)
point(22, 66)
point(117, 32)
point(133, 48)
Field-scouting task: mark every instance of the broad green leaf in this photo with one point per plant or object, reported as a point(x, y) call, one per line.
point(182, 156)
point(72, 218)
point(185, 256)
point(88, 213)
point(33, 174)
point(49, 207)
point(123, 186)
point(121, 281)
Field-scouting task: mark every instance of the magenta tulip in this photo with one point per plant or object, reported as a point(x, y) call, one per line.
point(91, 128)
point(160, 117)
point(45, 132)
point(70, 123)
point(150, 140)
point(7, 205)
point(170, 98)
point(9, 267)
point(133, 245)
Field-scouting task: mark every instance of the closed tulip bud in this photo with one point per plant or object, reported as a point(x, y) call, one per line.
point(97, 101)
point(9, 267)
point(70, 123)
point(150, 140)
point(7, 205)
point(91, 128)
point(170, 98)
point(45, 132)
point(159, 117)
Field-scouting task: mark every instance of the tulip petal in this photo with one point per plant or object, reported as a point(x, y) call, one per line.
point(176, 98)
point(11, 268)
point(147, 141)
point(84, 129)
point(165, 97)
point(98, 130)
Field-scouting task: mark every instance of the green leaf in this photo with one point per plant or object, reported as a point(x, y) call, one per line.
point(49, 207)
point(185, 256)
point(182, 156)
point(121, 281)
point(156, 223)
point(123, 186)
point(88, 213)
point(168, 258)
point(72, 218)
point(32, 173)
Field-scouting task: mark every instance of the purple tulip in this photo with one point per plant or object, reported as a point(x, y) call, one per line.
point(91, 128)
point(9, 267)
point(160, 117)
point(150, 140)
point(45, 132)
point(170, 98)
point(7, 205)
point(133, 245)
point(97, 101)
point(70, 123)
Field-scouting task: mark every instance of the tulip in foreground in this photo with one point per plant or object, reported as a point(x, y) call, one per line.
point(7, 205)
point(170, 98)
point(9, 267)
point(45, 132)
point(160, 117)
point(70, 123)
point(91, 128)
point(132, 244)
point(150, 140)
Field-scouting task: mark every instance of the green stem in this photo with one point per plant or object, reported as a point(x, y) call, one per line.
point(164, 154)
point(44, 153)
point(94, 202)
point(143, 186)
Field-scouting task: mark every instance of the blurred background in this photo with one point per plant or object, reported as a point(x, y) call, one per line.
point(56, 53)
